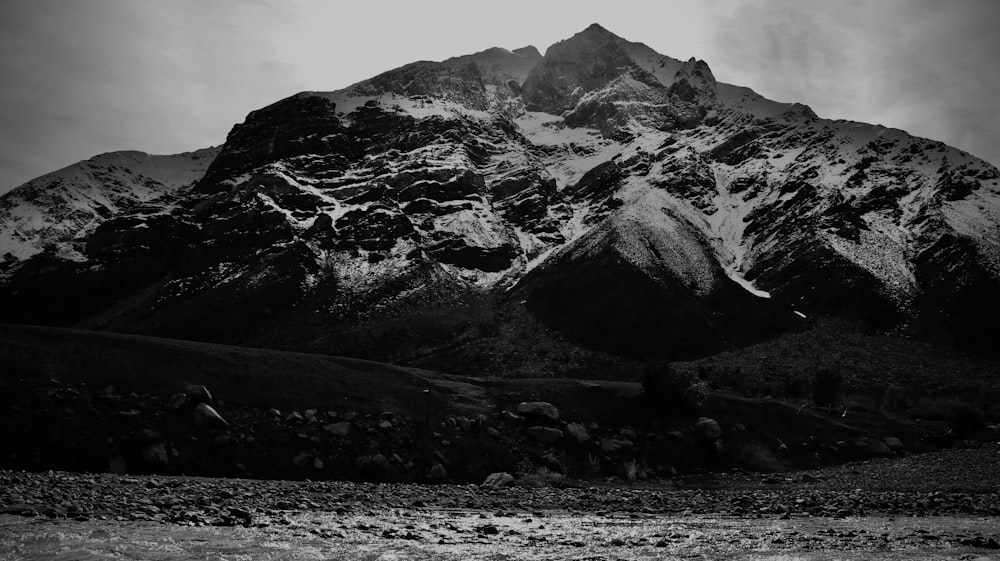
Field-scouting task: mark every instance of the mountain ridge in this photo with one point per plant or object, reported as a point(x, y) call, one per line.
point(435, 178)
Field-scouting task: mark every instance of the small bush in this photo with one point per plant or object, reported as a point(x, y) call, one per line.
point(756, 457)
point(544, 477)
point(827, 388)
point(796, 387)
point(633, 471)
point(965, 420)
point(676, 392)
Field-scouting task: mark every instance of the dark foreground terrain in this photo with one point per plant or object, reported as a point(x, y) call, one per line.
point(939, 505)
point(81, 401)
point(598, 469)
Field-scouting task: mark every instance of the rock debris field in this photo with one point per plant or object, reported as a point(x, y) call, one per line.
point(940, 505)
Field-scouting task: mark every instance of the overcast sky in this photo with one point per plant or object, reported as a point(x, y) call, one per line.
point(82, 77)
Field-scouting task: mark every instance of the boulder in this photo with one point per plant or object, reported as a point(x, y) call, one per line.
point(615, 446)
point(304, 460)
point(577, 432)
point(147, 436)
point(155, 455)
point(538, 409)
point(177, 401)
point(343, 428)
point(198, 393)
point(551, 462)
point(894, 444)
point(509, 417)
point(708, 429)
point(438, 472)
point(877, 447)
point(206, 416)
point(545, 435)
point(373, 466)
point(498, 479)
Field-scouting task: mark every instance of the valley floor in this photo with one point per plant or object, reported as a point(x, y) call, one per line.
point(938, 505)
point(437, 535)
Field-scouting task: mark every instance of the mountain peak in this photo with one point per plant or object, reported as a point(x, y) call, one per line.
point(584, 62)
point(595, 28)
point(528, 51)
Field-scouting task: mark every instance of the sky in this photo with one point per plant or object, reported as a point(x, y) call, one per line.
point(83, 77)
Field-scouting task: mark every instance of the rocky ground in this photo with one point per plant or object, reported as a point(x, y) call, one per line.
point(594, 431)
point(959, 482)
point(944, 502)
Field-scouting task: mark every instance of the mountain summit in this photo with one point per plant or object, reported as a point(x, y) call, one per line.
point(602, 198)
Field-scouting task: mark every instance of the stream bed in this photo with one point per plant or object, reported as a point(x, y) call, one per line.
point(439, 534)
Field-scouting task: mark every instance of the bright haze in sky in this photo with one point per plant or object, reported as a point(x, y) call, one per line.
point(84, 77)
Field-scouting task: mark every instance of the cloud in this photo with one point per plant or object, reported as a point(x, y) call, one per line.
point(83, 78)
point(924, 66)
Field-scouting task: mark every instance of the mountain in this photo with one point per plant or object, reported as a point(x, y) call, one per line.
point(511, 212)
point(56, 208)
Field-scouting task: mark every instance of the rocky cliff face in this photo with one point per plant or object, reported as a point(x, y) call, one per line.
point(621, 200)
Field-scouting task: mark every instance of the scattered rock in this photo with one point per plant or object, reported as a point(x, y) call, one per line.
point(708, 429)
point(177, 401)
point(615, 446)
point(147, 436)
point(155, 455)
point(538, 409)
point(577, 432)
point(874, 446)
point(303, 460)
point(198, 393)
point(509, 417)
point(545, 435)
point(343, 428)
point(499, 479)
point(373, 467)
point(206, 416)
point(438, 472)
point(894, 444)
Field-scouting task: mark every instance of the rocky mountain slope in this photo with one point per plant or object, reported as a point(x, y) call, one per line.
point(602, 196)
point(52, 211)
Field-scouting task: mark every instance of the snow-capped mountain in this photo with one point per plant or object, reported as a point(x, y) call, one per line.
point(624, 200)
point(59, 207)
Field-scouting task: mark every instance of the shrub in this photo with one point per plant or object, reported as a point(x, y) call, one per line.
point(675, 392)
point(966, 421)
point(756, 457)
point(543, 477)
point(795, 387)
point(827, 388)
point(633, 471)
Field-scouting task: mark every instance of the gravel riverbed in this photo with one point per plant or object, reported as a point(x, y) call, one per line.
point(944, 503)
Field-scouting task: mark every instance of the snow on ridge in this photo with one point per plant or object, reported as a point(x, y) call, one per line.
point(727, 225)
point(69, 203)
point(881, 250)
point(581, 148)
point(748, 101)
point(976, 218)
